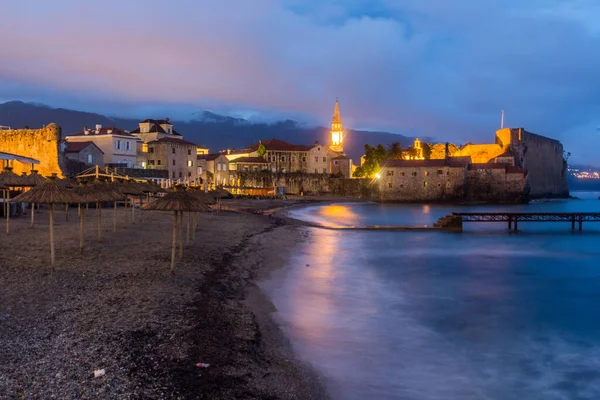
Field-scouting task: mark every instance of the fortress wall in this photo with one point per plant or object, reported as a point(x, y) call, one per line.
point(41, 144)
point(480, 153)
point(546, 171)
point(495, 185)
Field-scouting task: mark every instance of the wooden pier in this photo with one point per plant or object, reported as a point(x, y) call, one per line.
point(513, 219)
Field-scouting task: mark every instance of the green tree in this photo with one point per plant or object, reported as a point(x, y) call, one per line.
point(373, 157)
point(262, 150)
point(395, 151)
point(427, 147)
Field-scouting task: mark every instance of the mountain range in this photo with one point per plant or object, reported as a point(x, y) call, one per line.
point(207, 129)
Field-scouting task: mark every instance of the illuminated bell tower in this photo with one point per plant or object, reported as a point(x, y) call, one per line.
point(337, 132)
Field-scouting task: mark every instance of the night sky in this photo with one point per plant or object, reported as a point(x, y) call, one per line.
point(437, 68)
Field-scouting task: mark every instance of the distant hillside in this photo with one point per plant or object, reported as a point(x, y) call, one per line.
point(214, 131)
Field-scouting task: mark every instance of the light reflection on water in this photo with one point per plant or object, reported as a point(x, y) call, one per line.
point(428, 315)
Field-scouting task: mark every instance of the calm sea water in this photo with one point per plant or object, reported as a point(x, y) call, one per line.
point(484, 314)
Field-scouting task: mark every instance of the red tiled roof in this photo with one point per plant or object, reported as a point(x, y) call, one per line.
point(76, 147)
point(208, 157)
point(249, 160)
point(156, 126)
point(171, 140)
point(103, 131)
point(278, 145)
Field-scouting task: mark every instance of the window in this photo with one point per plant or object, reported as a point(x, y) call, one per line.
point(335, 162)
point(190, 163)
point(127, 145)
point(143, 164)
point(316, 159)
point(245, 168)
point(324, 170)
point(150, 162)
point(426, 173)
point(324, 159)
point(90, 159)
point(150, 149)
point(199, 170)
point(390, 185)
point(173, 149)
point(316, 171)
point(189, 174)
point(173, 161)
point(318, 149)
point(118, 145)
point(402, 173)
point(273, 158)
point(173, 174)
point(303, 159)
point(440, 172)
point(180, 175)
point(414, 174)
point(390, 173)
point(218, 167)
point(425, 184)
point(439, 185)
point(189, 152)
point(255, 168)
point(401, 185)
point(282, 158)
point(157, 162)
point(293, 158)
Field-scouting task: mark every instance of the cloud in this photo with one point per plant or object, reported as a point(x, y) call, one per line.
point(434, 68)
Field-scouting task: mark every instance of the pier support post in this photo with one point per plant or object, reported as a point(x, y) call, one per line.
point(516, 223)
point(581, 222)
point(572, 223)
point(509, 222)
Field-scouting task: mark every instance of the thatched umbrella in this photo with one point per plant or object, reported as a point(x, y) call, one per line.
point(49, 193)
point(131, 188)
point(90, 195)
point(111, 193)
point(177, 201)
point(9, 179)
point(31, 180)
point(204, 197)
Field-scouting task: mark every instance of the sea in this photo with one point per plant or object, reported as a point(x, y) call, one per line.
point(482, 314)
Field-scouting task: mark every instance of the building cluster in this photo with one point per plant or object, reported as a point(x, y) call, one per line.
point(520, 165)
point(156, 147)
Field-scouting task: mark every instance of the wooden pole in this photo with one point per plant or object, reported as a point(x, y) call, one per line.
point(81, 232)
point(99, 213)
point(7, 211)
point(66, 212)
point(133, 211)
point(188, 229)
point(180, 235)
point(174, 242)
point(32, 214)
point(51, 208)
point(114, 216)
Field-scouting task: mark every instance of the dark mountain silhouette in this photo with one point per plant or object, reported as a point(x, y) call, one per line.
point(217, 132)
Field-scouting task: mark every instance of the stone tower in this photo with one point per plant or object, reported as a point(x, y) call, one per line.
point(337, 131)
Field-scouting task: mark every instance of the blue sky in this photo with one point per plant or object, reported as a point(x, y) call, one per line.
point(435, 68)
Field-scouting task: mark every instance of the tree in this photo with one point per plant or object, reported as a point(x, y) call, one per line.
point(426, 150)
point(373, 157)
point(395, 151)
point(261, 149)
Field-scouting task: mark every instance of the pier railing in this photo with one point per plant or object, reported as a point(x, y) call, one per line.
point(513, 219)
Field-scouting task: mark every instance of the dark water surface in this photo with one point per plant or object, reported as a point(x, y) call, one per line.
point(484, 314)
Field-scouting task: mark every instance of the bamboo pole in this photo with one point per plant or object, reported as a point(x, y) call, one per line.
point(180, 235)
point(81, 232)
point(133, 211)
point(51, 235)
point(174, 242)
point(66, 212)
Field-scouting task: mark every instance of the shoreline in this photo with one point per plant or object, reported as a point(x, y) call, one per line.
point(116, 308)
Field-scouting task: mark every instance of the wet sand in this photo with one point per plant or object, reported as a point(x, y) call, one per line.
point(115, 307)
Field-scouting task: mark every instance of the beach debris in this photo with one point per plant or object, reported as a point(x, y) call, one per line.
point(99, 372)
point(202, 365)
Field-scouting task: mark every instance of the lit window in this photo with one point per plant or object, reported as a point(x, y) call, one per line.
point(90, 159)
point(190, 163)
point(425, 184)
point(426, 173)
point(199, 170)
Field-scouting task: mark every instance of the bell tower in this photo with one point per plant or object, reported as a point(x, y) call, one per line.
point(337, 131)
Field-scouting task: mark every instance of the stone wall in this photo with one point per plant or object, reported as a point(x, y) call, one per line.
point(422, 183)
point(41, 144)
point(546, 170)
point(496, 184)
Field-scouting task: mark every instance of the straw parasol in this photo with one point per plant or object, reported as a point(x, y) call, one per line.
point(177, 201)
point(110, 193)
point(10, 179)
point(31, 180)
point(131, 188)
point(49, 193)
